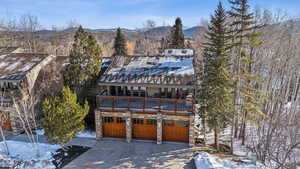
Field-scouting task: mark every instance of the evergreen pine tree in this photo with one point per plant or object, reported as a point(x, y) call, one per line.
point(120, 44)
point(177, 36)
point(216, 86)
point(245, 40)
point(63, 116)
point(85, 61)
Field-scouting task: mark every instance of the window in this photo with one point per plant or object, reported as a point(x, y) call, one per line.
point(169, 122)
point(182, 123)
point(151, 122)
point(138, 121)
point(121, 120)
point(169, 51)
point(108, 119)
point(184, 51)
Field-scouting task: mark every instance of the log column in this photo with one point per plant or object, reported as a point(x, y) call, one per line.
point(173, 92)
point(98, 121)
point(124, 90)
point(159, 128)
point(108, 91)
point(117, 90)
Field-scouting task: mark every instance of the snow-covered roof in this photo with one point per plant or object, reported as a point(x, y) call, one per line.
point(159, 69)
point(5, 50)
point(14, 66)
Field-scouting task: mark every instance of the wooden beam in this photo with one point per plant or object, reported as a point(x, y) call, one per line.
point(146, 85)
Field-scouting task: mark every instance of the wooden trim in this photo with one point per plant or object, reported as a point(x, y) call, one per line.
point(143, 106)
point(146, 85)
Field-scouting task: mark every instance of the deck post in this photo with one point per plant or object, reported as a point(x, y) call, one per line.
point(117, 90)
point(173, 95)
point(124, 90)
point(128, 127)
point(191, 130)
point(98, 121)
point(108, 91)
point(159, 128)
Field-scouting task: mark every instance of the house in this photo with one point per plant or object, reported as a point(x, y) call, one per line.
point(148, 97)
point(18, 74)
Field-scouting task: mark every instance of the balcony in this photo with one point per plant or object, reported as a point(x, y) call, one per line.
point(6, 98)
point(144, 104)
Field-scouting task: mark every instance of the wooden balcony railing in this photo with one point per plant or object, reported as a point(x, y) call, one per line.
point(145, 104)
point(6, 98)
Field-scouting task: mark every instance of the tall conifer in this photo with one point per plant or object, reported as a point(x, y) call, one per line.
point(120, 44)
point(85, 61)
point(64, 117)
point(177, 36)
point(245, 40)
point(216, 87)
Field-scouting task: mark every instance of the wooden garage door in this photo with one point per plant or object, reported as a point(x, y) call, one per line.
point(5, 122)
point(114, 127)
point(175, 131)
point(144, 129)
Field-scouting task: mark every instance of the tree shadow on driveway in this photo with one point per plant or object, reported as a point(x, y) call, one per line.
point(119, 154)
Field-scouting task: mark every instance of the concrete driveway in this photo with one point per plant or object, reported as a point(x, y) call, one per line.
point(117, 154)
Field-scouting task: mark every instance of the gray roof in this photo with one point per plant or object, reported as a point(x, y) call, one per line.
point(150, 70)
point(4, 50)
point(14, 66)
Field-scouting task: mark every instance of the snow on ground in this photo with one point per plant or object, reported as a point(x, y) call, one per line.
point(206, 161)
point(24, 154)
point(40, 132)
point(81, 134)
point(86, 134)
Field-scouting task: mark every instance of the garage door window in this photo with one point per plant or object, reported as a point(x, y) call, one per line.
point(182, 123)
point(169, 122)
point(108, 120)
point(121, 120)
point(151, 122)
point(138, 121)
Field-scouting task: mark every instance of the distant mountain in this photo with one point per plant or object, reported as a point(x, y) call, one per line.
point(164, 30)
point(3, 28)
point(193, 31)
point(158, 31)
point(106, 35)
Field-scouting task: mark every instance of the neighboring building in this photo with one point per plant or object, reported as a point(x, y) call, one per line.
point(7, 50)
point(18, 73)
point(148, 97)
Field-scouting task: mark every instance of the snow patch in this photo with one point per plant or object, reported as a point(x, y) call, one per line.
point(81, 134)
point(86, 134)
point(25, 154)
point(40, 132)
point(206, 161)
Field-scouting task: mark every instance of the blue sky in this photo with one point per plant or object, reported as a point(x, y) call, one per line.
point(126, 13)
